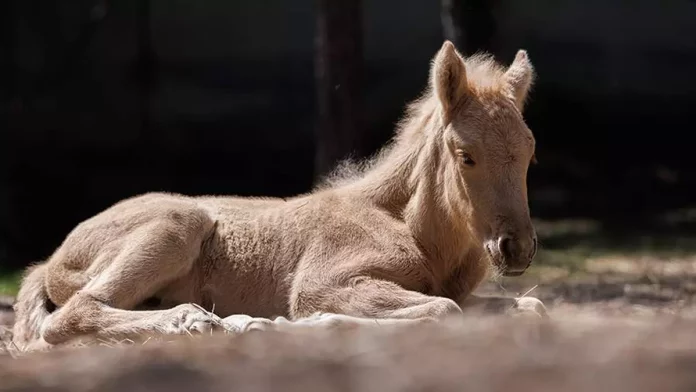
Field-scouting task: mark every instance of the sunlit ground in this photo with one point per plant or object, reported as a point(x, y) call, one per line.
point(581, 247)
point(582, 262)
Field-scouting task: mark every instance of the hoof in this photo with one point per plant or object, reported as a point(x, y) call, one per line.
point(529, 306)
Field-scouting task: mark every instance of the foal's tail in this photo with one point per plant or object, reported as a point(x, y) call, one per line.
point(32, 308)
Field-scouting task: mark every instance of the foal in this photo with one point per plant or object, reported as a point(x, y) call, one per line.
point(407, 238)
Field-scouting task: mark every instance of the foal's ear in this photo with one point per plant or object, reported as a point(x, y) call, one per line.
point(448, 78)
point(520, 77)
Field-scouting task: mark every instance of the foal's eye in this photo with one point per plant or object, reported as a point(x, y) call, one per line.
point(467, 159)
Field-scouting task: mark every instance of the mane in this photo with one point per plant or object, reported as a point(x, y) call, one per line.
point(484, 75)
point(350, 170)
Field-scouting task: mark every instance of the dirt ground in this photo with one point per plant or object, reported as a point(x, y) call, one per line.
point(608, 331)
point(573, 352)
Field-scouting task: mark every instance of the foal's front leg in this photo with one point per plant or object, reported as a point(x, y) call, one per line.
point(240, 323)
point(368, 298)
point(361, 302)
point(365, 302)
point(378, 304)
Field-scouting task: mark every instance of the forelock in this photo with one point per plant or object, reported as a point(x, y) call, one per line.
point(484, 74)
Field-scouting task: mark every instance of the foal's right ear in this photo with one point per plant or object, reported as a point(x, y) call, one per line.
point(448, 78)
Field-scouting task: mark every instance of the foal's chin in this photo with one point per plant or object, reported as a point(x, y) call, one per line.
point(508, 273)
point(504, 269)
point(511, 271)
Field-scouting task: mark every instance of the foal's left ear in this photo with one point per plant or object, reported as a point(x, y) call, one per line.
point(448, 78)
point(520, 77)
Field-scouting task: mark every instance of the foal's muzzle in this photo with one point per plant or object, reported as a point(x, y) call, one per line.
point(515, 255)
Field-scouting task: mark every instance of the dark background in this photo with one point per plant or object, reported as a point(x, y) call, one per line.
point(102, 100)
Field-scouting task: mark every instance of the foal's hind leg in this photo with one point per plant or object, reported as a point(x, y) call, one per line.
point(151, 257)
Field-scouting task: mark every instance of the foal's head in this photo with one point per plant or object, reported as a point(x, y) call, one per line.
point(487, 151)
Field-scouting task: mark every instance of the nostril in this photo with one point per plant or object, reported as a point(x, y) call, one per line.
point(505, 247)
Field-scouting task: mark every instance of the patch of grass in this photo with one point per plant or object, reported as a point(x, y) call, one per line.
point(9, 282)
point(568, 245)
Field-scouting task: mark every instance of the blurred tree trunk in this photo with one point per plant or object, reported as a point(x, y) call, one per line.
point(469, 24)
point(145, 64)
point(339, 68)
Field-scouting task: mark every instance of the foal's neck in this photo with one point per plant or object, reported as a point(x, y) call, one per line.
point(408, 182)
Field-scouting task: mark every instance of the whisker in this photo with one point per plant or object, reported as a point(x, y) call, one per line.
point(525, 295)
point(529, 291)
